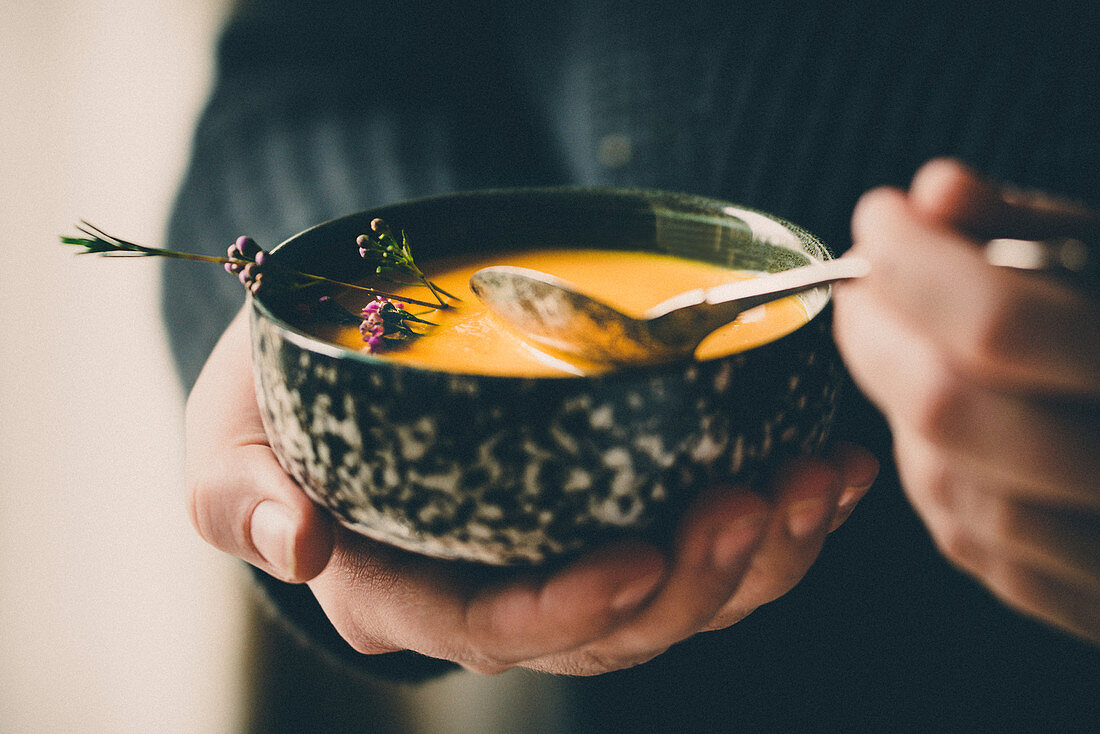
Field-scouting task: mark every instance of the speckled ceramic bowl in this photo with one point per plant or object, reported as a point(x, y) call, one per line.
point(508, 470)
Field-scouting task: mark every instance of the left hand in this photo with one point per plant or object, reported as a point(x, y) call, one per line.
point(613, 607)
point(990, 379)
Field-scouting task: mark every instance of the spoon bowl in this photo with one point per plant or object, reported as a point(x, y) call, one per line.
point(552, 312)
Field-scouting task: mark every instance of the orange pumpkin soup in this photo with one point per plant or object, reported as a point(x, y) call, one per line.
point(469, 339)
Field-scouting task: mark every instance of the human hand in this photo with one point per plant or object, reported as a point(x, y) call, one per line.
point(990, 379)
point(614, 607)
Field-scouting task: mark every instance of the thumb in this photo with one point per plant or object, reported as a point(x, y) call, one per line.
point(240, 499)
point(250, 508)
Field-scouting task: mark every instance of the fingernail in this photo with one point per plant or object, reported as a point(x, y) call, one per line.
point(806, 516)
point(734, 542)
point(271, 535)
point(842, 512)
point(636, 590)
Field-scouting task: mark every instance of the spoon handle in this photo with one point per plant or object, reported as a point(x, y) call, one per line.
point(755, 291)
point(745, 294)
point(688, 317)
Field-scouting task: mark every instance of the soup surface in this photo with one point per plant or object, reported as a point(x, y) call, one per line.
point(469, 339)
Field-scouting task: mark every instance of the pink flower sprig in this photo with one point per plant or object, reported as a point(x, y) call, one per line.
point(394, 259)
point(381, 321)
point(244, 258)
point(386, 320)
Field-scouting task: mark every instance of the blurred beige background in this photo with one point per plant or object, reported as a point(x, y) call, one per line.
point(114, 617)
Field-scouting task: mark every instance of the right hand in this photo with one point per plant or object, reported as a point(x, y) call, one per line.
point(990, 380)
point(614, 607)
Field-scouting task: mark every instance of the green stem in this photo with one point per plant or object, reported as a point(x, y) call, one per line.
point(372, 291)
point(436, 290)
point(100, 243)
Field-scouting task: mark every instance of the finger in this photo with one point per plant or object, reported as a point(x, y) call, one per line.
point(240, 499)
point(714, 545)
point(535, 617)
point(1031, 589)
point(1043, 450)
point(381, 598)
point(807, 492)
point(371, 590)
point(950, 192)
point(1035, 564)
point(963, 513)
point(858, 469)
point(1071, 607)
point(1001, 327)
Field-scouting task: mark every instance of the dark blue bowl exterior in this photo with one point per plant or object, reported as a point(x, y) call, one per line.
point(520, 470)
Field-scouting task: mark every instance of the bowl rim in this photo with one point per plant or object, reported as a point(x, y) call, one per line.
point(308, 342)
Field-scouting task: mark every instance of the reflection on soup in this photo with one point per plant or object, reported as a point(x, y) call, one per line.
point(468, 339)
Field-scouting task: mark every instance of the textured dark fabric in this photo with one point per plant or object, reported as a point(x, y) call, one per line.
point(791, 107)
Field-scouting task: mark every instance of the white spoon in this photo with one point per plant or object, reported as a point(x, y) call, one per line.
point(551, 312)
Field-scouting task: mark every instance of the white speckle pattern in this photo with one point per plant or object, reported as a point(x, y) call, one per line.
point(602, 418)
point(518, 471)
point(707, 449)
point(722, 377)
point(737, 456)
point(564, 440)
point(577, 481)
point(415, 439)
point(653, 446)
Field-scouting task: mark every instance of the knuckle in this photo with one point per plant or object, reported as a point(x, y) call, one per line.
point(631, 643)
point(362, 632)
point(925, 476)
point(1008, 520)
point(957, 543)
point(596, 662)
point(728, 616)
point(479, 659)
point(195, 506)
point(362, 641)
point(774, 575)
point(202, 503)
point(994, 335)
point(485, 668)
point(1018, 586)
point(941, 409)
point(938, 485)
point(479, 650)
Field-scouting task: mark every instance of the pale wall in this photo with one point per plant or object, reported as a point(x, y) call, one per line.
point(114, 616)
